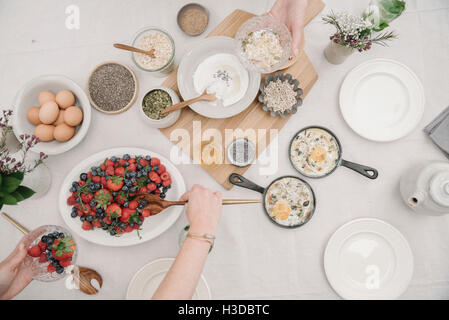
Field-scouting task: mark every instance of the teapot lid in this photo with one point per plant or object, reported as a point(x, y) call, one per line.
point(439, 188)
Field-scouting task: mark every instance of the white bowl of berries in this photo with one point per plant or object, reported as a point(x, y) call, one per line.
point(96, 198)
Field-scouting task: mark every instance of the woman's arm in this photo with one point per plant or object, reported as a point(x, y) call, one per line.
point(203, 211)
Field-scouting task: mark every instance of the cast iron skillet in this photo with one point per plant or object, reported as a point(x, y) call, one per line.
point(240, 181)
point(361, 169)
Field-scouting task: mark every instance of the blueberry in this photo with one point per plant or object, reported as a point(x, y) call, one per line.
point(162, 195)
point(133, 190)
point(126, 164)
point(114, 193)
point(60, 270)
point(102, 174)
point(133, 180)
point(129, 183)
point(126, 204)
point(140, 206)
point(133, 173)
point(139, 174)
point(83, 176)
point(55, 262)
point(50, 240)
point(112, 232)
point(98, 210)
point(92, 203)
point(159, 185)
point(126, 157)
point(125, 188)
point(72, 189)
point(148, 158)
point(74, 209)
point(131, 225)
point(61, 235)
point(105, 226)
point(156, 168)
point(89, 218)
point(114, 223)
point(143, 202)
point(123, 225)
point(82, 218)
point(139, 167)
point(44, 239)
point(97, 186)
point(73, 214)
point(49, 255)
point(94, 173)
point(164, 189)
point(139, 222)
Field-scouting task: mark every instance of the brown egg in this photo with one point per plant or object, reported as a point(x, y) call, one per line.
point(73, 116)
point(46, 96)
point(64, 132)
point(44, 132)
point(65, 99)
point(48, 113)
point(33, 115)
point(60, 118)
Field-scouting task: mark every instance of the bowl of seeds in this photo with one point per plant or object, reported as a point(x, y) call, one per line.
point(193, 19)
point(280, 94)
point(154, 102)
point(112, 87)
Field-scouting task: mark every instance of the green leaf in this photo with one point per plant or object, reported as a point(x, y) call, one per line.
point(9, 199)
point(68, 250)
point(58, 253)
point(10, 184)
point(18, 175)
point(18, 196)
point(1, 178)
point(25, 192)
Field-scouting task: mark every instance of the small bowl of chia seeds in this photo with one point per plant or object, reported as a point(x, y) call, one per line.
point(280, 94)
point(154, 102)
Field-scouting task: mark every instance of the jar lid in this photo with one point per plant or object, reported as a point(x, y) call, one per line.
point(439, 188)
point(241, 152)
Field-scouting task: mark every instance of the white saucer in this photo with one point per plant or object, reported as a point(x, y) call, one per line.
point(382, 100)
point(145, 282)
point(368, 259)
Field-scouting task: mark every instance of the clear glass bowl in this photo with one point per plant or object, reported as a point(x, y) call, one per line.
point(38, 270)
point(264, 23)
point(165, 69)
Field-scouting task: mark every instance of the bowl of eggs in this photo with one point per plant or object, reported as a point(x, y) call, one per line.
point(56, 110)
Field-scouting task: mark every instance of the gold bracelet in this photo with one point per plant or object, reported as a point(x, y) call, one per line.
point(202, 237)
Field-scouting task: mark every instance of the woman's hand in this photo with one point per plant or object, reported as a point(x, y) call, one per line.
point(203, 209)
point(13, 278)
point(292, 13)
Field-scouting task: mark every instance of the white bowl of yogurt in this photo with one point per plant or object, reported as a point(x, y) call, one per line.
point(212, 66)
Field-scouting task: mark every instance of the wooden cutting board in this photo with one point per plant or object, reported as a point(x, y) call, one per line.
point(251, 118)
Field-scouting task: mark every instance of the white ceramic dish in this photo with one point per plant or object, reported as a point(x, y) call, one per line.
point(189, 63)
point(170, 119)
point(27, 97)
point(145, 282)
point(368, 259)
point(382, 100)
point(152, 226)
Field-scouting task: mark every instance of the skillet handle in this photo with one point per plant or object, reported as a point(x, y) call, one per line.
point(240, 181)
point(363, 170)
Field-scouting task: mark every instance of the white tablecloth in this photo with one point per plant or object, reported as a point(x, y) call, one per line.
point(252, 257)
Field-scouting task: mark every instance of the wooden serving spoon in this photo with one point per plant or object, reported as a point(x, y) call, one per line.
point(204, 96)
point(134, 49)
point(82, 276)
point(155, 204)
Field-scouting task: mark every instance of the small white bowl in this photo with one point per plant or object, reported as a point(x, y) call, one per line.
point(170, 119)
point(27, 97)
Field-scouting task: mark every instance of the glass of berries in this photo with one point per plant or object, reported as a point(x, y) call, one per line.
point(51, 252)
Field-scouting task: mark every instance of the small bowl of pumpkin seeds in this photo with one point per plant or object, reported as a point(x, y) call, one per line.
point(154, 102)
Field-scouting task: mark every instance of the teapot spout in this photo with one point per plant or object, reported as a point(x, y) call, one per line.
point(417, 198)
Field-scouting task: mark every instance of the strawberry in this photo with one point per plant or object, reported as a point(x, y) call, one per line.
point(96, 223)
point(86, 225)
point(110, 171)
point(162, 169)
point(79, 213)
point(64, 248)
point(34, 251)
point(89, 175)
point(103, 181)
point(166, 183)
point(126, 213)
point(114, 210)
point(120, 199)
point(103, 198)
point(120, 171)
point(146, 213)
point(65, 263)
point(103, 167)
point(143, 162)
point(107, 220)
point(132, 160)
point(42, 246)
point(71, 201)
point(153, 176)
point(96, 179)
point(43, 258)
point(128, 228)
point(155, 162)
point(85, 208)
point(142, 190)
point(165, 176)
point(133, 204)
point(136, 226)
point(115, 183)
point(121, 162)
point(132, 167)
point(81, 183)
point(51, 268)
point(109, 163)
point(151, 186)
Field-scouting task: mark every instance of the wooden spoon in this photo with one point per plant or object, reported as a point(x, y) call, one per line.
point(134, 49)
point(82, 276)
point(155, 204)
point(204, 96)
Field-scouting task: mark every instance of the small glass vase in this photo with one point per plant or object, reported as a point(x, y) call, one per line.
point(11, 141)
point(336, 53)
point(38, 180)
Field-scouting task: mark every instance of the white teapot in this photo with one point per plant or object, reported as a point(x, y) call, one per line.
point(425, 189)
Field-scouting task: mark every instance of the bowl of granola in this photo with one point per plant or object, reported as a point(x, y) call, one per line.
point(264, 44)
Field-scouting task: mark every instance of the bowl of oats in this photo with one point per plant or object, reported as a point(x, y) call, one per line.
point(163, 61)
point(280, 94)
point(263, 44)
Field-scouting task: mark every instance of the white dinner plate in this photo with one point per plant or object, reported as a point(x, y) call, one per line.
point(368, 259)
point(152, 227)
point(189, 63)
point(145, 282)
point(382, 100)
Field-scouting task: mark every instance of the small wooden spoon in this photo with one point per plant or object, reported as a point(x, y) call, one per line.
point(82, 276)
point(134, 49)
point(155, 204)
point(204, 96)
